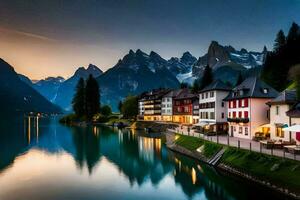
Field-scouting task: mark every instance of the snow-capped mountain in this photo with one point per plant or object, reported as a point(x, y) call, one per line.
point(135, 73)
point(219, 55)
point(49, 87)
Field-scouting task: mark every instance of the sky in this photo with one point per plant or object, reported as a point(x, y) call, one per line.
point(42, 38)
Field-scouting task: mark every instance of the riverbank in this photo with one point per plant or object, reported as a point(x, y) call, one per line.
point(280, 174)
point(154, 126)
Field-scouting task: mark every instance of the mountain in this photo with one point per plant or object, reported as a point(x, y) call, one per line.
point(25, 79)
point(135, 73)
point(66, 89)
point(182, 67)
point(49, 87)
point(218, 55)
point(16, 95)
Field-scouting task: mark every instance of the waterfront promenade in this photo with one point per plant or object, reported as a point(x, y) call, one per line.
point(236, 142)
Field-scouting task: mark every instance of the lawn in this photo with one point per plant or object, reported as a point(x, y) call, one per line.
point(193, 143)
point(284, 172)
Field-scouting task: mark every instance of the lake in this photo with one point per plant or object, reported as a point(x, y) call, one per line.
point(42, 159)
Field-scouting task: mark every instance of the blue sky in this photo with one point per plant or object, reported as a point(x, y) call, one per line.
point(41, 38)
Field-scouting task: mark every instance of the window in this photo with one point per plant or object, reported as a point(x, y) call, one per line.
point(246, 130)
point(246, 114)
point(265, 90)
point(234, 114)
point(277, 110)
point(234, 104)
point(240, 103)
point(212, 115)
point(222, 115)
point(246, 102)
point(202, 95)
point(279, 132)
point(223, 104)
point(240, 114)
point(241, 92)
point(206, 95)
point(211, 94)
point(240, 130)
point(234, 129)
point(229, 114)
point(186, 109)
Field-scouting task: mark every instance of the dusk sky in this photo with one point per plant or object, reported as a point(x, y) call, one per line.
point(43, 38)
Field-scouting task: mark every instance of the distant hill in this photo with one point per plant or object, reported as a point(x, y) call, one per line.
point(16, 95)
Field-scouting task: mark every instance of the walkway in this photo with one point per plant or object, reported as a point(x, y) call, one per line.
point(237, 142)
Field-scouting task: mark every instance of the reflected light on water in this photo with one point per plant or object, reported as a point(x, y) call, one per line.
point(194, 176)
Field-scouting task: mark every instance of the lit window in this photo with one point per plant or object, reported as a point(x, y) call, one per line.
point(265, 90)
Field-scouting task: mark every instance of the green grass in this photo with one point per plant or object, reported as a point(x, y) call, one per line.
point(193, 143)
point(284, 172)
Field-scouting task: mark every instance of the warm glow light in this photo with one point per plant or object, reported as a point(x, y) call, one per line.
point(194, 176)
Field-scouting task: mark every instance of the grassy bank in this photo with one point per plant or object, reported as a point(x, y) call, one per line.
point(208, 149)
point(284, 172)
point(276, 170)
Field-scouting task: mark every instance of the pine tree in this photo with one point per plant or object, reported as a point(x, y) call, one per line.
point(78, 101)
point(120, 106)
point(183, 85)
point(92, 97)
point(207, 77)
point(239, 79)
point(293, 32)
point(280, 41)
point(196, 86)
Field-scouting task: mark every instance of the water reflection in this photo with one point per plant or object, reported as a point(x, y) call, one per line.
point(134, 166)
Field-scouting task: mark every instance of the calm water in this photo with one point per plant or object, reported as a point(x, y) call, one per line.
point(41, 159)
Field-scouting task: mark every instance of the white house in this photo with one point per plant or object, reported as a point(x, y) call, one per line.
point(279, 119)
point(247, 108)
point(212, 107)
point(167, 105)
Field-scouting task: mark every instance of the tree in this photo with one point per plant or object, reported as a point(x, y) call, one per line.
point(130, 107)
point(293, 32)
point(239, 79)
point(183, 85)
point(207, 77)
point(295, 76)
point(280, 41)
point(196, 86)
point(78, 102)
point(92, 97)
point(105, 110)
point(120, 106)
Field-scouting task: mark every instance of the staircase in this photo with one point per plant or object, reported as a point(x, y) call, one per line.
point(214, 160)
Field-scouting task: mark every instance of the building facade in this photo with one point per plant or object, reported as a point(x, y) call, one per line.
point(167, 105)
point(212, 107)
point(151, 105)
point(247, 111)
point(183, 106)
point(279, 119)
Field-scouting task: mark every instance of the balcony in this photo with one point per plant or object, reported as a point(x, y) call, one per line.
point(238, 120)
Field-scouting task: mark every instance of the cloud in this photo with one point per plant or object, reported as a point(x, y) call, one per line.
point(26, 34)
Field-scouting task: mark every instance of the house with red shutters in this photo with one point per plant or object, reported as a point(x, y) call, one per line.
point(184, 105)
point(248, 113)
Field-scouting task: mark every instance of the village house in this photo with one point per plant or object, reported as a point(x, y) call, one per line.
point(183, 105)
point(167, 105)
point(279, 118)
point(212, 107)
point(247, 111)
point(150, 105)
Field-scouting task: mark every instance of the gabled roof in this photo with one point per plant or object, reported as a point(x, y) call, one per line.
point(173, 93)
point(185, 94)
point(154, 94)
point(252, 87)
point(216, 85)
point(285, 97)
point(295, 111)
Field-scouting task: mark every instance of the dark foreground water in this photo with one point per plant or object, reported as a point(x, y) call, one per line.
point(41, 159)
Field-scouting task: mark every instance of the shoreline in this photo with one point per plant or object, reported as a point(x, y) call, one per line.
point(233, 171)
